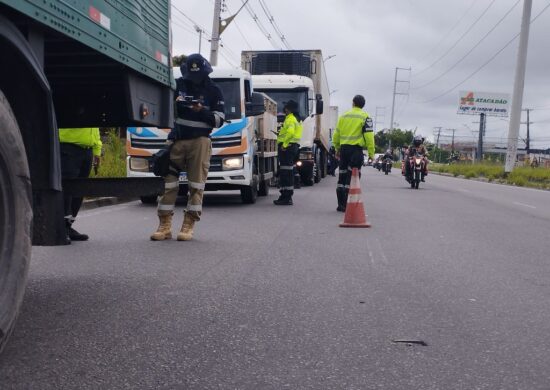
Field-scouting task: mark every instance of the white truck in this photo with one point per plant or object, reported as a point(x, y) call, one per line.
point(244, 153)
point(298, 75)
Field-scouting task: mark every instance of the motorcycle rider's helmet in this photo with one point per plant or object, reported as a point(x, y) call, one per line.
point(417, 140)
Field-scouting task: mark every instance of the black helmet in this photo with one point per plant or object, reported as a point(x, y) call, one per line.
point(196, 68)
point(291, 106)
point(417, 140)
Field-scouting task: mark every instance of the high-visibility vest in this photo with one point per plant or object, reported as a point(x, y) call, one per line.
point(291, 131)
point(350, 131)
point(86, 137)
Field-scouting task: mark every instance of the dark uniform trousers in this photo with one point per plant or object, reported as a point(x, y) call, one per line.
point(287, 158)
point(351, 156)
point(76, 162)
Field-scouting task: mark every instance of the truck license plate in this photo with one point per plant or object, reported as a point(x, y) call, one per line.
point(183, 177)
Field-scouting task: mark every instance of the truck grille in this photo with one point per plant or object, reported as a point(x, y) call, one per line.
point(147, 143)
point(226, 142)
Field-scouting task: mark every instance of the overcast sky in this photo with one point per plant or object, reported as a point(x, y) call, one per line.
point(369, 39)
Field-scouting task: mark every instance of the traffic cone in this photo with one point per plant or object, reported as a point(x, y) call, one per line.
point(355, 212)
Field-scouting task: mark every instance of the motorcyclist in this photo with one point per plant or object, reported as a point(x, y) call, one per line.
point(419, 148)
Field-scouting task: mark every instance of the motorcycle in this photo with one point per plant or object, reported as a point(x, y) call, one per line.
point(417, 165)
point(386, 165)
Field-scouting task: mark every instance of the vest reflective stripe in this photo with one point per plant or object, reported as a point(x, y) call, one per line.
point(350, 137)
point(286, 167)
point(171, 185)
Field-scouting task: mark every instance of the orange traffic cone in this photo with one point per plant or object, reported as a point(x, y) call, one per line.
point(355, 212)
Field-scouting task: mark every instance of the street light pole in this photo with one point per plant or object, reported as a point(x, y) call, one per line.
point(199, 30)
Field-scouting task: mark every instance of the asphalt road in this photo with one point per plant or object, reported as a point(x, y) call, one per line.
point(273, 297)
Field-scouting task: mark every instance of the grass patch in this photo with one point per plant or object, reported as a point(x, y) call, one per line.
point(520, 176)
point(113, 161)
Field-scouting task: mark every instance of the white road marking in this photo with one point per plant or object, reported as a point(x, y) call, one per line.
point(525, 205)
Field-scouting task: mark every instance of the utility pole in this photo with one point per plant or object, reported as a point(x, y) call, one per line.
point(395, 81)
point(453, 141)
point(438, 135)
point(482, 121)
point(519, 82)
point(215, 43)
point(528, 139)
point(378, 115)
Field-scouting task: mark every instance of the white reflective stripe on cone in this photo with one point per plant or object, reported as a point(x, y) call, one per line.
point(198, 186)
point(194, 207)
point(171, 185)
point(356, 198)
point(166, 207)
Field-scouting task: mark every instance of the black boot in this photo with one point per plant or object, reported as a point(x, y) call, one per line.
point(76, 236)
point(283, 201)
point(342, 199)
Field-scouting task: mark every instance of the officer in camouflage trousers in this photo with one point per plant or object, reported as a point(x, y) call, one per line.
point(199, 109)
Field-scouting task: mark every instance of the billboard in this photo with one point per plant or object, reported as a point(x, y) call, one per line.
point(491, 104)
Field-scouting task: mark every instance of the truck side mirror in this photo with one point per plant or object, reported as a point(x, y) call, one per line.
point(318, 104)
point(256, 106)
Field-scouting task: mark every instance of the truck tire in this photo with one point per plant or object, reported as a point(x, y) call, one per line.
point(148, 199)
point(263, 189)
point(15, 220)
point(250, 194)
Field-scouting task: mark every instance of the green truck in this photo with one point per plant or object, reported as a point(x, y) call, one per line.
point(69, 63)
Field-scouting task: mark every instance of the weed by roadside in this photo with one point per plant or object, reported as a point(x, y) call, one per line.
point(113, 161)
point(520, 176)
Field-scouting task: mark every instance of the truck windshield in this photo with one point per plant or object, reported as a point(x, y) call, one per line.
point(284, 95)
point(231, 91)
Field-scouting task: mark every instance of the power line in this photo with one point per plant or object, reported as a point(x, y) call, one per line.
point(274, 24)
point(239, 29)
point(459, 39)
point(447, 34)
point(260, 24)
point(487, 62)
point(471, 49)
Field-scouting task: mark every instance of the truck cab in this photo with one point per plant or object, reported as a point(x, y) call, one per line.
point(234, 164)
point(283, 88)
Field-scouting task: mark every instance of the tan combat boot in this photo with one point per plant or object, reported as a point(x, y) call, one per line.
point(186, 233)
point(164, 230)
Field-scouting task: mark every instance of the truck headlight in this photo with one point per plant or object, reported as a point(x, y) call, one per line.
point(306, 156)
point(232, 163)
point(139, 164)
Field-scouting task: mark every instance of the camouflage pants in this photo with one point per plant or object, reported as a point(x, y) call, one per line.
point(193, 157)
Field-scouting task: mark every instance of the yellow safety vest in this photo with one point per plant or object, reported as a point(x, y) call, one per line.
point(349, 131)
point(86, 137)
point(291, 131)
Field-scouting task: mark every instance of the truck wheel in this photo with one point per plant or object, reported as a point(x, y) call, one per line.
point(316, 174)
point(148, 199)
point(250, 194)
point(263, 189)
point(15, 220)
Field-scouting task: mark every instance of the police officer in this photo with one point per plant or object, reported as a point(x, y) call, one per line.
point(80, 150)
point(353, 133)
point(288, 145)
point(199, 109)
